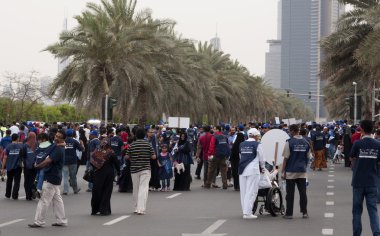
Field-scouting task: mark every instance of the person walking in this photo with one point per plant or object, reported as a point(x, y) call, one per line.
point(365, 156)
point(318, 141)
point(71, 162)
point(296, 156)
point(251, 160)
point(182, 155)
point(140, 153)
point(104, 162)
point(217, 155)
point(235, 159)
point(12, 163)
point(29, 157)
point(51, 193)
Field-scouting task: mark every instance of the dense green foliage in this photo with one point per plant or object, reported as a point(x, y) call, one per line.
point(352, 54)
point(39, 112)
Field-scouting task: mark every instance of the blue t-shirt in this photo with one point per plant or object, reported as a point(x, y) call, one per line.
point(94, 144)
point(53, 174)
point(13, 152)
point(116, 145)
point(318, 141)
point(5, 141)
point(365, 167)
point(71, 148)
point(29, 157)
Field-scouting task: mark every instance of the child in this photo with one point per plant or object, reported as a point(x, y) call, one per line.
point(165, 171)
point(339, 153)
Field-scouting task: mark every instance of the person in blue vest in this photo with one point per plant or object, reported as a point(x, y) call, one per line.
point(251, 159)
point(70, 167)
point(365, 157)
point(296, 157)
point(12, 162)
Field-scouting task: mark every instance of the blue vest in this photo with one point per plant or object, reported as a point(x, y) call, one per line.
point(248, 153)
point(297, 161)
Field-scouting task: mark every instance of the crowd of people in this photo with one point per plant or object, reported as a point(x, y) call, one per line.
point(146, 158)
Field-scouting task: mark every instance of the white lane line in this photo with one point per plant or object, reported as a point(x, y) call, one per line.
point(330, 186)
point(329, 215)
point(330, 203)
point(174, 195)
point(331, 175)
point(327, 232)
point(11, 222)
point(331, 171)
point(116, 220)
point(330, 180)
point(330, 193)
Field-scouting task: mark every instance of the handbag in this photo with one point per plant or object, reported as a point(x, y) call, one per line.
point(89, 175)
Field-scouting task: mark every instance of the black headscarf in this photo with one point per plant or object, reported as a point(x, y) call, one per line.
point(180, 141)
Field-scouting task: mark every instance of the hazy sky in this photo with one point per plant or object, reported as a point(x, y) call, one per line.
point(28, 26)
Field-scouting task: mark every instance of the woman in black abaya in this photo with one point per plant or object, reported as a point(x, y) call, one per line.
point(183, 155)
point(104, 162)
point(235, 158)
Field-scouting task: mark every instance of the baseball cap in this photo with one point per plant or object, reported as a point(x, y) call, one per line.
point(69, 132)
point(94, 132)
point(253, 131)
point(266, 126)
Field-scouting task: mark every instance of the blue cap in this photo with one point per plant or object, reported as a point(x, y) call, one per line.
point(69, 132)
point(241, 127)
point(266, 126)
point(94, 132)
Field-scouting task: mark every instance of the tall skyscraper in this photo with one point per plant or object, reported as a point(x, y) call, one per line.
point(273, 64)
point(303, 24)
point(215, 42)
point(273, 56)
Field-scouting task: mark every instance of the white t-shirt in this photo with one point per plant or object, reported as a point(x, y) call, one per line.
point(14, 129)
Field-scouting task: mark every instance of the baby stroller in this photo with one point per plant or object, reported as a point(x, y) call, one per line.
point(270, 199)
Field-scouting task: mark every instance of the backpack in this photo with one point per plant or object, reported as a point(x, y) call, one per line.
point(222, 149)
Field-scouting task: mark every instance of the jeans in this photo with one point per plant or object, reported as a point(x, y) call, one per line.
point(40, 179)
point(70, 170)
point(370, 194)
point(165, 183)
point(13, 178)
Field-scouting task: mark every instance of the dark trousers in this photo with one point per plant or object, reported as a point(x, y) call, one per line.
point(29, 180)
point(199, 167)
point(235, 173)
point(16, 176)
point(290, 188)
point(214, 164)
point(102, 190)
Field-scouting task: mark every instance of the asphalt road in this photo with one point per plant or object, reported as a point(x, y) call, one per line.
point(197, 212)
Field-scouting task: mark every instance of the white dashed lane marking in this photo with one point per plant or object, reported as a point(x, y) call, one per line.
point(116, 220)
point(11, 222)
point(330, 193)
point(327, 232)
point(330, 203)
point(174, 195)
point(331, 176)
point(329, 215)
point(330, 180)
point(330, 186)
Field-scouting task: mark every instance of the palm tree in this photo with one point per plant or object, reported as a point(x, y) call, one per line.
point(351, 51)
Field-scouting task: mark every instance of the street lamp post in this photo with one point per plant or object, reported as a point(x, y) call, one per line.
point(355, 103)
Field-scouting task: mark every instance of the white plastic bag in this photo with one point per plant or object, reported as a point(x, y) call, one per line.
point(264, 181)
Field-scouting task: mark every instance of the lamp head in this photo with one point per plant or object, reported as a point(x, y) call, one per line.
point(354, 83)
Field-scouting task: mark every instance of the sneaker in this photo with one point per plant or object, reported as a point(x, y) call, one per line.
point(215, 186)
point(64, 193)
point(59, 224)
point(197, 177)
point(305, 216)
point(249, 217)
point(34, 225)
point(38, 194)
point(287, 217)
